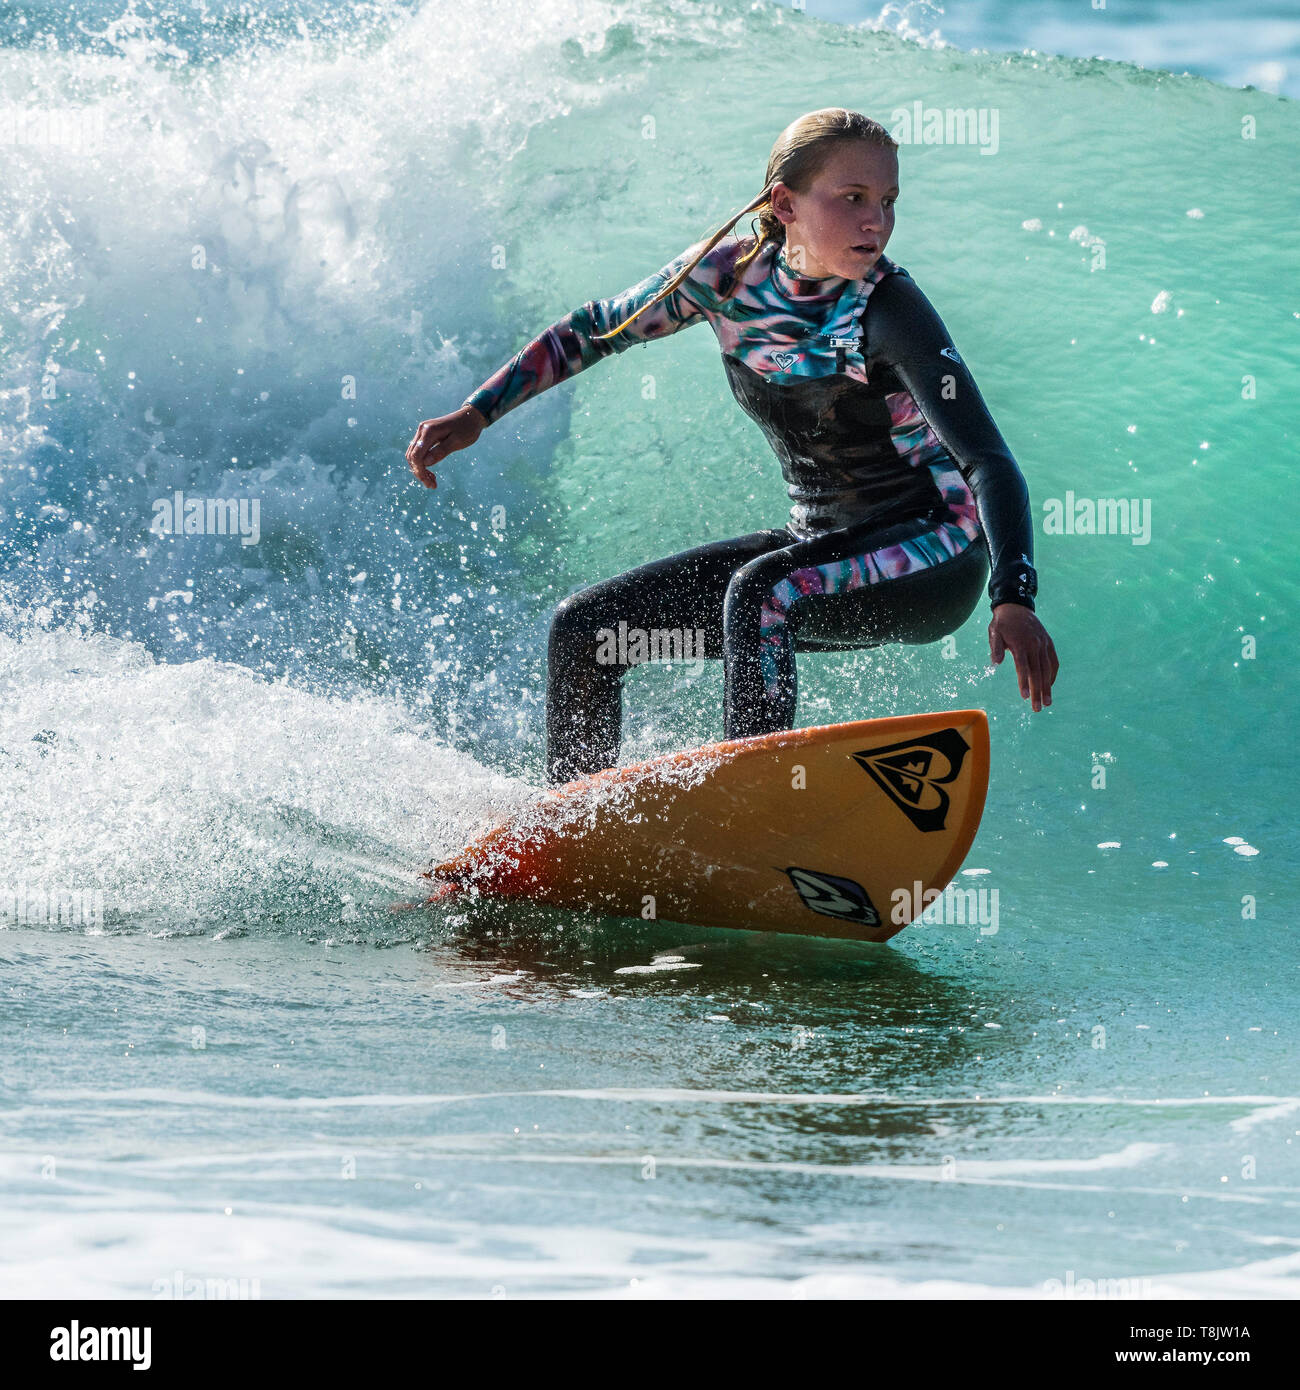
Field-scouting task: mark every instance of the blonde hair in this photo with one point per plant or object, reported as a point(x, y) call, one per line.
point(799, 155)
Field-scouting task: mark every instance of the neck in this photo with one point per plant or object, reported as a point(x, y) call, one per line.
point(798, 284)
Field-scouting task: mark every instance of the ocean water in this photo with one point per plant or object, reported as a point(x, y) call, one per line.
point(242, 252)
point(1255, 44)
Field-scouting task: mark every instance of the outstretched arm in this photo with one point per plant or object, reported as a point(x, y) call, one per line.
point(571, 344)
point(907, 333)
point(564, 349)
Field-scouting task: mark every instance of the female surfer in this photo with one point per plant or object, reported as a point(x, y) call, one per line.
point(905, 496)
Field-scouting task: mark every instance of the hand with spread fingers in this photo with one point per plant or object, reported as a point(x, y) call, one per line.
point(435, 439)
point(1016, 629)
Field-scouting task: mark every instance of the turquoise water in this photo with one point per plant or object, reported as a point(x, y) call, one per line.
point(241, 259)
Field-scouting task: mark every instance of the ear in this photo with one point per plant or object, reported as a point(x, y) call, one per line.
point(781, 204)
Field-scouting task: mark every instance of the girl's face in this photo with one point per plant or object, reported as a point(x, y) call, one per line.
point(841, 224)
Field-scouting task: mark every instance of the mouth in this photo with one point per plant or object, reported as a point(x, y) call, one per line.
point(868, 248)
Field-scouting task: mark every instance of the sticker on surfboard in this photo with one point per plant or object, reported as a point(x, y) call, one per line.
point(834, 897)
point(914, 774)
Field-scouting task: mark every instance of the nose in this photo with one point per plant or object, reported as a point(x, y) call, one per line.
point(876, 222)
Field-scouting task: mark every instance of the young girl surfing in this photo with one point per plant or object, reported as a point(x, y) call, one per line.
point(905, 495)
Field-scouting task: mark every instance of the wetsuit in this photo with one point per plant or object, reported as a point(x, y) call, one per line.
point(904, 494)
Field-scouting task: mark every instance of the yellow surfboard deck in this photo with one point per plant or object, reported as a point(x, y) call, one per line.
point(811, 831)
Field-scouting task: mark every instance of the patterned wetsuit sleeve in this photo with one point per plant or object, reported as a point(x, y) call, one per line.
point(905, 332)
point(569, 345)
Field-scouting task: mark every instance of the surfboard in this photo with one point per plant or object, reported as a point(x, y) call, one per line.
point(844, 830)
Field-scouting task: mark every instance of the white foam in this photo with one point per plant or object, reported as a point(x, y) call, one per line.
point(113, 1250)
point(175, 813)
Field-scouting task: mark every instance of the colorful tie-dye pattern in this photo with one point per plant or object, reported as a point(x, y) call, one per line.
point(766, 323)
point(931, 547)
point(778, 323)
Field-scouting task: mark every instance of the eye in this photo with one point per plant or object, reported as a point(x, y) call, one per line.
point(889, 202)
point(853, 195)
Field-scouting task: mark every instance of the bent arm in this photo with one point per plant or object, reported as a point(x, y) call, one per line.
point(571, 344)
point(906, 333)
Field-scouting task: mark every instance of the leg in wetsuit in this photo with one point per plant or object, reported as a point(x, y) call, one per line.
point(756, 598)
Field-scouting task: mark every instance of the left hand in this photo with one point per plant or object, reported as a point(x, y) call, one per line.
point(443, 435)
point(1016, 628)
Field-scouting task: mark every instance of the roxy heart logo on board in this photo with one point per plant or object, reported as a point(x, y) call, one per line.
point(914, 774)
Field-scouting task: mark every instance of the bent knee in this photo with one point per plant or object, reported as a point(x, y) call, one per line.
point(749, 588)
point(581, 622)
point(576, 612)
